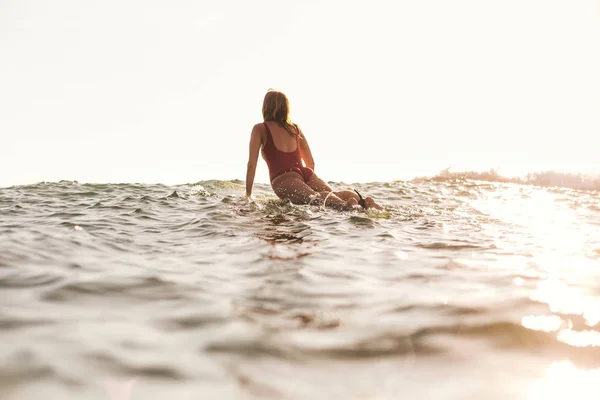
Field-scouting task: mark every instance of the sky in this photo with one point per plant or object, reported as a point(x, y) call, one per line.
point(168, 91)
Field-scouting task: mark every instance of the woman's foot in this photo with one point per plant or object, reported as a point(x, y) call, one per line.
point(370, 203)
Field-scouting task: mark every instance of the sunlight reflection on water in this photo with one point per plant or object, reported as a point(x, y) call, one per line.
point(563, 380)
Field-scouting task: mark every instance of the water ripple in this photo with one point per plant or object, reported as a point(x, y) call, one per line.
point(191, 283)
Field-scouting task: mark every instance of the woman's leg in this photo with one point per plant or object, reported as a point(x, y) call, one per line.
point(369, 202)
point(320, 185)
point(346, 194)
point(291, 186)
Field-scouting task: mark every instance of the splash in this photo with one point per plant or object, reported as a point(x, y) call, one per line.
point(198, 190)
point(380, 214)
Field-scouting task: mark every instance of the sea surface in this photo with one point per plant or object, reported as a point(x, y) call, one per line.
point(460, 289)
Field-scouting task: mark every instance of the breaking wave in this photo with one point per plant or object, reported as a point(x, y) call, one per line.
point(544, 178)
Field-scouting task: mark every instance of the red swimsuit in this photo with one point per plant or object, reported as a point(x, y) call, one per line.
point(282, 161)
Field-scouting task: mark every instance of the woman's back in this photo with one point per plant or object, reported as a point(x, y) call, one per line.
point(282, 139)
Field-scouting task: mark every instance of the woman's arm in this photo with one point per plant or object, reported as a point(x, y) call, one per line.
point(255, 143)
point(305, 151)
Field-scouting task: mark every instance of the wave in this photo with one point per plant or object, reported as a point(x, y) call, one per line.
point(544, 178)
point(208, 188)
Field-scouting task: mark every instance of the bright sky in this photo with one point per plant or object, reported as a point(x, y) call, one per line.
point(168, 91)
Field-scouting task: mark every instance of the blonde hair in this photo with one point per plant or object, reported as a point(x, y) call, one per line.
point(276, 107)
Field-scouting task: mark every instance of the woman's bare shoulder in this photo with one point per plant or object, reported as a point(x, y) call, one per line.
point(260, 127)
point(260, 131)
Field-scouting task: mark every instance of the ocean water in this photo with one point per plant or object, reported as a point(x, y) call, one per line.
point(460, 289)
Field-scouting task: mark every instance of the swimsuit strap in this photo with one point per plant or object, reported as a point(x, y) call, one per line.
point(297, 137)
point(269, 137)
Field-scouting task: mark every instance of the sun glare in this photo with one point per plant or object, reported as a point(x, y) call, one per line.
point(542, 323)
point(564, 299)
point(563, 380)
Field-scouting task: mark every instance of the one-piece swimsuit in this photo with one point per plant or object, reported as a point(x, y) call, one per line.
point(282, 161)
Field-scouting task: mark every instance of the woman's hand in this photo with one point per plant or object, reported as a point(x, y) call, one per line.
point(248, 196)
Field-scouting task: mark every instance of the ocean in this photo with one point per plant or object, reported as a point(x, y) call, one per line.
point(467, 286)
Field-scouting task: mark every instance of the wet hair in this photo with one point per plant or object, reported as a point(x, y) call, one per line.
point(276, 107)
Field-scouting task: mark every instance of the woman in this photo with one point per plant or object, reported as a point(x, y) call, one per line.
point(285, 148)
